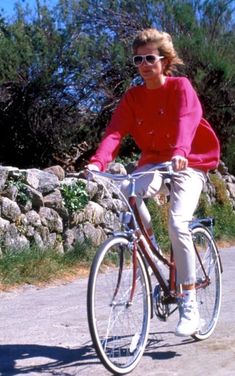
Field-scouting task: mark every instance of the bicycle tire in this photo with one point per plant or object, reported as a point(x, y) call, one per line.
point(208, 297)
point(119, 331)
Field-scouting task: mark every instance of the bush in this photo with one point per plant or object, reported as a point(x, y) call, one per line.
point(159, 215)
point(75, 196)
point(221, 210)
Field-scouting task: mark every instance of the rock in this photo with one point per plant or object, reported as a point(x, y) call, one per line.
point(51, 219)
point(93, 213)
point(9, 209)
point(95, 234)
point(33, 218)
point(57, 171)
point(43, 181)
point(14, 240)
point(10, 192)
point(34, 196)
point(3, 177)
point(4, 224)
point(231, 189)
point(53, 200)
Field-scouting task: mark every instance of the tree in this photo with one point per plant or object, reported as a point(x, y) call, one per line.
point(63, 70)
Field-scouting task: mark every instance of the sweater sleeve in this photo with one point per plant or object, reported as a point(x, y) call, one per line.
point(188, 113)
point(117, 128)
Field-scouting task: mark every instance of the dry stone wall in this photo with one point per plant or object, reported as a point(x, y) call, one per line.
point(32, 209)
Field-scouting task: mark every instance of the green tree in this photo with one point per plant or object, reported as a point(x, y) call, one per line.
point(63, 70)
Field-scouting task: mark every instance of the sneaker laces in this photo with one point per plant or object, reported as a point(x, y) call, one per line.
point(187, 309)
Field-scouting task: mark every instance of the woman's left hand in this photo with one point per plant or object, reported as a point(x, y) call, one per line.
point(179, 163)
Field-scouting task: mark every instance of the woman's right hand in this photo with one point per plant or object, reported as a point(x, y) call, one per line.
point(92, 167)
point(88, 170)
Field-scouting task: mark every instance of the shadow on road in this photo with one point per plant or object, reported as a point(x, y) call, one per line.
point(54, 358)
point(159, 348)
point(43, 359)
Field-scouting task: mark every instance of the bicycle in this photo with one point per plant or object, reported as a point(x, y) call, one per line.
point(120, 298)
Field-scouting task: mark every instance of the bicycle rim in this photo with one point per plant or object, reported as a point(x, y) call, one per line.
point(208, 297)
point(119, 330)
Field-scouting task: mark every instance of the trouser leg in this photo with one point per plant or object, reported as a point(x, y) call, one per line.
point(185, 193)
point(146, 186)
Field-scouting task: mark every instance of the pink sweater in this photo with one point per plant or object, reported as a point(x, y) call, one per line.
point(164, 122)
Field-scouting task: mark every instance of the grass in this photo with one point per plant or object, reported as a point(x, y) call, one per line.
point(35, 266)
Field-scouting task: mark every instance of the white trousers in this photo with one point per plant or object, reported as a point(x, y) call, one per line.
point(185, 191)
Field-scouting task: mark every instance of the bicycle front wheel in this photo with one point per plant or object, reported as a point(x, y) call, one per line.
point(118, 325)
point(208, 281)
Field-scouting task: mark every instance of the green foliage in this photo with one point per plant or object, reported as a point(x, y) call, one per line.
point(224, 222)
point(221, 195)
point(63, 70)
point(221, 210)
point(34, 265)
point(159, 216)
point(22, 194)
point(75, 196)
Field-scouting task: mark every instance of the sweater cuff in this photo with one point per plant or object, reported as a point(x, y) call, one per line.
point(97, 163)
point(179, 152)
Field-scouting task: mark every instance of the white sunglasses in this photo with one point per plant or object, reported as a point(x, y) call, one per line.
point(150, 59)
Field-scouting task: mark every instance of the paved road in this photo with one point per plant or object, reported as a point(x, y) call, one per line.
point(43, 331)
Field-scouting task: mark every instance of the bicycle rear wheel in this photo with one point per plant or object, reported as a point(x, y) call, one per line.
point(119, 328)
point(208, 281)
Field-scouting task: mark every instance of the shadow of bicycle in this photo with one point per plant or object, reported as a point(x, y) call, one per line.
point(31, 358)
point(26, 359)
point(160, 346)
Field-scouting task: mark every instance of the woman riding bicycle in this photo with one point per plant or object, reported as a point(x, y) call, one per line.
point(164, 117)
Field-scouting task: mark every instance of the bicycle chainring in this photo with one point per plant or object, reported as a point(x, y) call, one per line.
point(161, 308)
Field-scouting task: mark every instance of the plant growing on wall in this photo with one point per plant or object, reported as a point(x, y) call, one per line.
point(75, 196)
point(22, 196)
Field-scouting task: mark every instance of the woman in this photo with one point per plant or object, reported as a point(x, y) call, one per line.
point(164, 117)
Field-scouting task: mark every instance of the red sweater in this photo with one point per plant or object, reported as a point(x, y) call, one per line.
point(164, 122)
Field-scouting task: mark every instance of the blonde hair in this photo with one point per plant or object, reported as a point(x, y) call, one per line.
point(164, 44)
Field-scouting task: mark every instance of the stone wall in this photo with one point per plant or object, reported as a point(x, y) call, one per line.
point(32, 210)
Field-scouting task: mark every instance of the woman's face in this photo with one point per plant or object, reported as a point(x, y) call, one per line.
point(152, 74)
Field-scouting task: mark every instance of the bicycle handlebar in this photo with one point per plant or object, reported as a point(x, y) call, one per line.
point(163, 168)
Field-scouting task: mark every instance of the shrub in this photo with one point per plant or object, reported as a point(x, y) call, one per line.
point(74, 196)
point(221, 210)
point(159, 215)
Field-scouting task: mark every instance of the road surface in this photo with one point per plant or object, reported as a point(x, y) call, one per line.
point(43, 331)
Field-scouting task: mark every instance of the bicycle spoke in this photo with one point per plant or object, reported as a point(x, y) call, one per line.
point(208, 274)
point(119, 327)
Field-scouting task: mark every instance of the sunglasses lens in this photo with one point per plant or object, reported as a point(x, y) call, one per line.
point(151, 59)
point(138, 59)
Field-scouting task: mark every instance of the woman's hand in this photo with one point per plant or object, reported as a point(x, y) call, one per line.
point(179, 163)
point(88, 170)
point(92, 167)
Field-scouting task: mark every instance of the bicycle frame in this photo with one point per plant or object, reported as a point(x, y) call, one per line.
point(123, 264)
point(139, 237)
point(149, 251)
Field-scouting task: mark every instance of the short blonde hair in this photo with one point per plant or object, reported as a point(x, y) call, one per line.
point(164, 45)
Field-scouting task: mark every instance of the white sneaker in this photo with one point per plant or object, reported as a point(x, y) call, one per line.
point(189, 319)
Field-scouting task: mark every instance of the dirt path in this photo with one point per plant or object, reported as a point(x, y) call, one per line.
point(43, 331)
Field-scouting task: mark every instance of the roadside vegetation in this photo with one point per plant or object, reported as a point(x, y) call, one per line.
point(36, 266)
